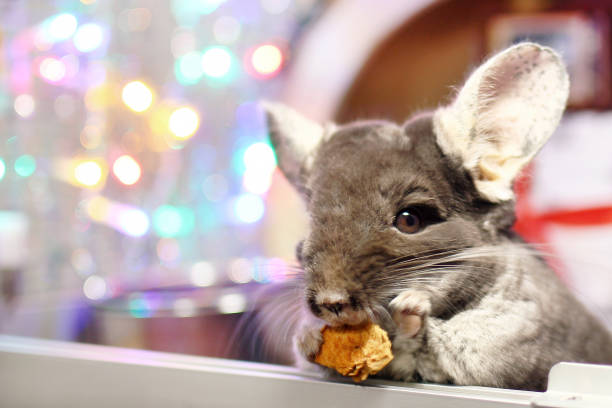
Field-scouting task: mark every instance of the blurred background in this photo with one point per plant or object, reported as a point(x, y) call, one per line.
point(140, 204)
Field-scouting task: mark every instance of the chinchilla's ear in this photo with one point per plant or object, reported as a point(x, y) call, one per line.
point(295, 140)
point(503, 115)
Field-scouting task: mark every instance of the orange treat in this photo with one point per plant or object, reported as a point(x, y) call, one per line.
point(356, 352)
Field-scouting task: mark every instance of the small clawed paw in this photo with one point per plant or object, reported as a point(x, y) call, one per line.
point(308, 342)
point(409, 310)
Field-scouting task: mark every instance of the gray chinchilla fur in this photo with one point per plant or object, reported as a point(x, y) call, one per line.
point(410, 227)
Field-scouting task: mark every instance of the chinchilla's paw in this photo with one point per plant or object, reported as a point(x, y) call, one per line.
point(409, 310)
point(307, 342)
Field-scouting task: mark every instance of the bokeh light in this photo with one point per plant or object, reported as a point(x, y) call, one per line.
point(188, 68)
point(127, 170)
point(52, 69)
point(259, 164)
point(170, 221)
point(184, 307)
point(249, 208)
point(203, 274)
point(24, 105)
point(188, 12)
point(267, 60)
point(132, 221)
point(216, 62)
point(61, 26)
point(183, 122)
point(259, 157)
point(137, 96)
point(25, 165)
point(88, 173)
point(167, 221)
point(240, 270)
point(128, 220)
point(232, 303)
point(159, 138)
point(139, 307)
point(88, 37)
point(208, 6)
point(86, 96)
point(95, 287)
point(256, 183)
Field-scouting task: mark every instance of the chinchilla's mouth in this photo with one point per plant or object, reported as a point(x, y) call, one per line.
point(348, 318)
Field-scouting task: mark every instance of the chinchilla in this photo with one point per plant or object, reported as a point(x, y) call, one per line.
point(411, 228)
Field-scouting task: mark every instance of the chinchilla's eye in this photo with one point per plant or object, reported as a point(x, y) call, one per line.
point(408, 221)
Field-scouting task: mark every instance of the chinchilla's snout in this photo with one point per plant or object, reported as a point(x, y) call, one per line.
point(337, 306)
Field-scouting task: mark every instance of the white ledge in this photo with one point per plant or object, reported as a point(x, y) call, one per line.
point(36, 372)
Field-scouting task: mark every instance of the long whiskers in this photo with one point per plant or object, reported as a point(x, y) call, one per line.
point(458, 255)
point(457, 272)
point(264, 332)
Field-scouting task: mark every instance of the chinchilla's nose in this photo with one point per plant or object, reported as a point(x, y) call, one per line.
point(332, 301)
point(338, 307)
point(335, 308)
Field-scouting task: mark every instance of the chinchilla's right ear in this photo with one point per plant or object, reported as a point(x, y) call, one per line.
point(295, 140)
point(503, 115)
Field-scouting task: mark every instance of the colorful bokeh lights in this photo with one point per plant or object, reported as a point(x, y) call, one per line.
point(183, 122)
point(52, 69)
point(134, 144)
point(266, 60)
point(60, 27)
point(127, 170)
point(216, 62)
point(88, 37)
point(137, 96)
point(88, 173)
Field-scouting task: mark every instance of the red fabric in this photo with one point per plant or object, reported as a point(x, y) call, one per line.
point(533, 226)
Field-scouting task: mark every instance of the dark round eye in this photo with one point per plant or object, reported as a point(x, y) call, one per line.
point(408, 221)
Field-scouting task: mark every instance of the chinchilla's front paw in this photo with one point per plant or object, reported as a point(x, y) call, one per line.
point(307, 342)
point(410, 309)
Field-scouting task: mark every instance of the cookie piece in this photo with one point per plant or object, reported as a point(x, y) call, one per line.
point(356, 352)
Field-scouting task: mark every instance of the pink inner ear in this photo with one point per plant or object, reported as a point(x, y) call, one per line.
point(521, 98)
point(503, 115)
point(515, 75)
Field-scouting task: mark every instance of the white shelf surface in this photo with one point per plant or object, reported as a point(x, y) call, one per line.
point(37, 372)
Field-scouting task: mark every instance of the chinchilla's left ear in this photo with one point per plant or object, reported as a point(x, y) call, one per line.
point(503, 115)
point(296, 140)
